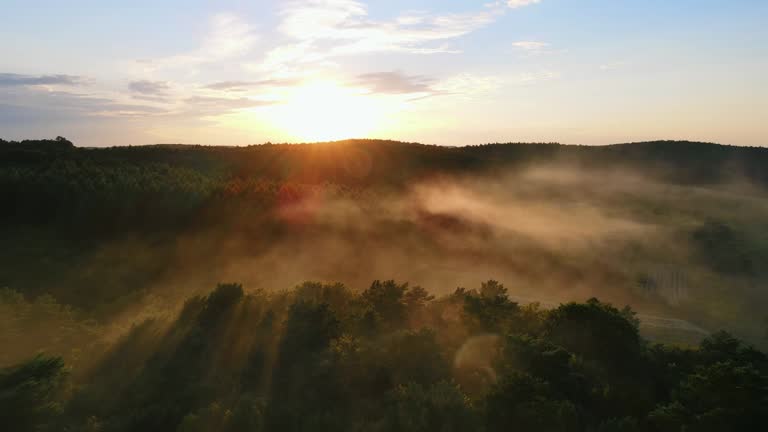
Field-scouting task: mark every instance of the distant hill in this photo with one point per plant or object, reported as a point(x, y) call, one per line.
point(53, 180)
point(380, 161)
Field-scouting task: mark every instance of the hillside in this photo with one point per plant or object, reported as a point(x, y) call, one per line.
point(111, 254)
point(124, 212)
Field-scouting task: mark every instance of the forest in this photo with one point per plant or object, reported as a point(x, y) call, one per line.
point(383, 286)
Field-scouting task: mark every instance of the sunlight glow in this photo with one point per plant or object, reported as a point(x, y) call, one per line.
point(326, 111)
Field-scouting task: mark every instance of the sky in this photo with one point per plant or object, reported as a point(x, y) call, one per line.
point(451, 72)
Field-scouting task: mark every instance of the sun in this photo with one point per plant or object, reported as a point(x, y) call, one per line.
point(327, 111)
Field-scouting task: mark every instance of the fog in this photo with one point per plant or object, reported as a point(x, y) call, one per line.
point(551, 233)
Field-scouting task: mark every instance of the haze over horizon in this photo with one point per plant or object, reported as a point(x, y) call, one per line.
point(444, 72)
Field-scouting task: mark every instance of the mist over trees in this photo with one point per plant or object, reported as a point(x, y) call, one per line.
point(113, 316)
point(392, 357)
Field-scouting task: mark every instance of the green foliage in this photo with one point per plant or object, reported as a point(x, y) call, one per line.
point(727, 390)
point(97, 228)
point(725, 396)
point(28, 393)
point(722, 347)
point(300, 361)
point(43, 325)
point(391, 303)
point(490, 310)
point(246, 415)
point(212, 418)
point(626, 424)
point(597, 331)
point(417, 354)
point(441, 407)
point(522, 402)
point(545, 360)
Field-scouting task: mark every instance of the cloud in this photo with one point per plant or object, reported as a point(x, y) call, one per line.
point(230, 85)
point(112, 108)
point(394, 83)
point(531, 45)
point(208, 106)
point(239, 86)
point(321, 29)
point(464, 85)
point(229, 36)
point(34, 106)
point(470, 85)
point(147, 87)
point(38, 105)
point(11, 79)
point(226, 103)
point(514, 4)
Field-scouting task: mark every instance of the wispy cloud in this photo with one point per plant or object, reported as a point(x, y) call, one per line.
point(465, 85)
point(520, 3)
point(394, 83)
point(220, 105)
point(234, 86)
point(322, 29)
point(147, 87)
point(468, 84)
point(229, 36)
point(512, 4)
point(531, 45)
point(63, 104)
point(534, 48)
point(311, 36)
point(612, 66)
point(29, 102)
point(240, 86)
point(317, 32)
point(12, 79)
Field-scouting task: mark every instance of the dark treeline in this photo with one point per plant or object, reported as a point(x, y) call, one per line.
point(52, 180)
point(391, 358)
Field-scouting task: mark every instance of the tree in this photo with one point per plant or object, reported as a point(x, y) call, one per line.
point(597, 331)
point(393, 303)
point(724, 396)
point(441, 407)
point(523, 403)
point(28, 393)
point(722, 346)
point(490, 310)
